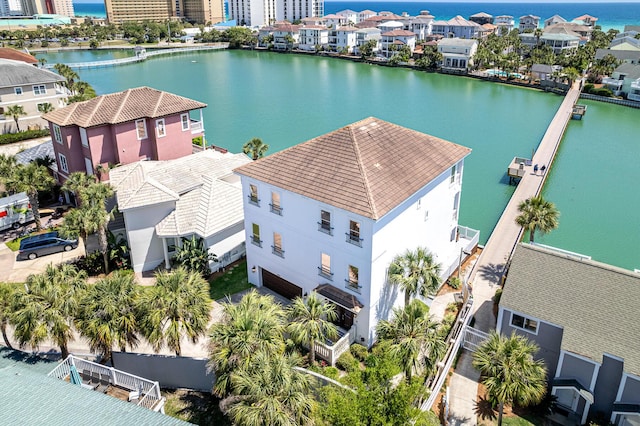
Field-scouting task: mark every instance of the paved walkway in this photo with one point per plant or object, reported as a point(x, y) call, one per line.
point(487, 275)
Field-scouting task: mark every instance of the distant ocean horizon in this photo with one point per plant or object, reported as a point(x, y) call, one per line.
point(610, 15)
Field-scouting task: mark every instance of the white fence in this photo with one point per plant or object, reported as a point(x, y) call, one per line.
point(333, 352)
point(149, 390)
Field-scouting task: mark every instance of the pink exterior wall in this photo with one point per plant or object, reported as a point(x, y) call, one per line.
point(119, 144)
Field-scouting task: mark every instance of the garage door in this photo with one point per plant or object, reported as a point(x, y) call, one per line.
point(280, 285)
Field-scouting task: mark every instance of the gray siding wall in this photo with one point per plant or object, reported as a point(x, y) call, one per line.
point(576, 368)
point(549, 339)
point(607, 385)
point(631, 392)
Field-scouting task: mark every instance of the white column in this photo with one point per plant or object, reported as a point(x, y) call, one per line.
point(167, 260)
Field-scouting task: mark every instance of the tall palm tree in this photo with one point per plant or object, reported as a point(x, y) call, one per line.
point(107, 315)
point(511, 375)
point(30, 178)
point(311, 322)
point(7, 165)
point(16, 111)
point(77, 182)
point(255, 147)
point(270, 392)
point(416, 273)
point(69, 75)
point(82, 91)
point(46, 307)
point(255, 324)
point(178, 305)
point(6, 294)
point(536, 213)
point(414, 337)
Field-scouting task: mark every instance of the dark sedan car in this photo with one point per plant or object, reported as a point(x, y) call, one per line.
point(44, 244)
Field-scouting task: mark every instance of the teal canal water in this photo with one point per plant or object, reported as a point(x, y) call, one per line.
point(288, 99)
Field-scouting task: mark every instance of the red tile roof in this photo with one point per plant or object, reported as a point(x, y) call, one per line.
point(16, 55)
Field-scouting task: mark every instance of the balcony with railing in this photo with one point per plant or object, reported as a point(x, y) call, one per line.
point(197, 126)
point(253, 199)
point(275, 209)
point(354, 238)
point(331, 351)
point(277, 251)
point(325, 272)
point(634, 91)
point(255, 240)
point(351, 284)
point(108, 380)
point(614, 84)
point(325, 227)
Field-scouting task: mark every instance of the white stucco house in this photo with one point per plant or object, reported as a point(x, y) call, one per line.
point(457, 53)
point(313, 36)
point(165, 201)
point(329, 215)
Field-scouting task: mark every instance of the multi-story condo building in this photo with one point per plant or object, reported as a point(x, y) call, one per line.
point(329, 215)
point(200, 11)
point(587, 332)
point(40, 7)
point(293, 10)
point(122, 128)
point(31, 88)
point(253, 13)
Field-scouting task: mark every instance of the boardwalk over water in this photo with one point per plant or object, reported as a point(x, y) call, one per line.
point(487, 274)
point(141, 58)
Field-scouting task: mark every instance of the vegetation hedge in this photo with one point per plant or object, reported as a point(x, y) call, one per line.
point(359, 351)
point(347, 362)
point(22, 136)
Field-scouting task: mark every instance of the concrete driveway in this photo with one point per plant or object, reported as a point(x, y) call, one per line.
point(18, 271)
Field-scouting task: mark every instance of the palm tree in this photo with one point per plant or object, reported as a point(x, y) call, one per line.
point(311, 322)
point(255, 147)
point(45, 107)
point(46, 307)
point(270, 391)
point(6, 294)
point(176, 306)
point(255, 324)
point(82, 91)
point(414, 337)
point(511, 375)
point(16, 111)
point(69, 75)
point(30, 178)
point(77, 182)
point(7, 165)
point(416, 273)
point(194, 256)
point(536, 213)
point(107, 314)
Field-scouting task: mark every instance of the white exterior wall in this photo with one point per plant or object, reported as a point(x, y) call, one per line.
point(292, 10)
point(252, 13)
point(147, 250)
point(310, 37)
point(401, 229)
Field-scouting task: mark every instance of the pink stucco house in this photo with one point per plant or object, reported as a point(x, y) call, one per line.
point(122, 128)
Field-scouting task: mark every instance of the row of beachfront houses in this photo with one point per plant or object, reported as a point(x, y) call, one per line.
point(329, 215)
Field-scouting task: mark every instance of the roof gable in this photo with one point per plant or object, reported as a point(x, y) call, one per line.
point(18, 73)
point(368, 168)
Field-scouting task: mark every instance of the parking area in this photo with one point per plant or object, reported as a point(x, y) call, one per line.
point(18, 271)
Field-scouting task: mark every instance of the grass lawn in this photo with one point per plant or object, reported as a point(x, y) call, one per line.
point(200, 408)
point(233, 280)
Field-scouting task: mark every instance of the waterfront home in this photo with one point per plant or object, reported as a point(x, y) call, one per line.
point(350, 15)
point(312, 21)
point(330, 214)
point(22, 84)
point(363, 35)
point(505, 24)
point(555, 19)
point(335, 21)
point(421, 25)
point(587, 20)
point(541, 72)
point(570, 28)
point(264, 35)
point(528, 23)
point(583, 316)
point(285, 36)
point(312, 37)
point(122, 128)
point(165, 201)
point(624, 53)
point(558, 42)
point(457, 53)
point(457, 27)
point(481, 18)
point(393, 41)
point(342, 39)
point(625, 80)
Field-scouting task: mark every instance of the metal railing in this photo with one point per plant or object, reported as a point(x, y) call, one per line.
point(149, 391)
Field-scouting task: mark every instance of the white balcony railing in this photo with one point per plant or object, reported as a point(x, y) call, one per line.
point(331, 353)
point(613, 83)
point(196, 126)
point(148, 390)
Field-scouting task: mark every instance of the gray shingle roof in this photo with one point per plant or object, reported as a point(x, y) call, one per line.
point(122, 107)
point(596, 304)
point(19, 73)
point(42, 150)
point(368, 167)
point(29, 397)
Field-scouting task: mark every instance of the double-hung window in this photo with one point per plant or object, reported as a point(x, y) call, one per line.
point(325, 222)
point(255, 237)
point(353, 236)
point(324, 270)
point(141, 129)
point(253, 195)
point(277, 245)
point(63, 163)
point(161, 131)
point(275, 204)
point(352, 280)
point(184, 119)
point(57, 133)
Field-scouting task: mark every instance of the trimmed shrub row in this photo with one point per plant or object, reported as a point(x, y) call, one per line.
point(22, 136)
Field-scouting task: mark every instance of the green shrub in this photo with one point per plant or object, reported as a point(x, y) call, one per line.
point(347, 362)
point(588, 88)
point(331, 372)
point(197, 140)
point(22, 136)
point(603, 91)
point(92, 263)
point(454, 282)
point(359, 351)
point(497, 296)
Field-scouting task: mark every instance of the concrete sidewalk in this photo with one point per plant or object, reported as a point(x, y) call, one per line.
point(486, 276)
